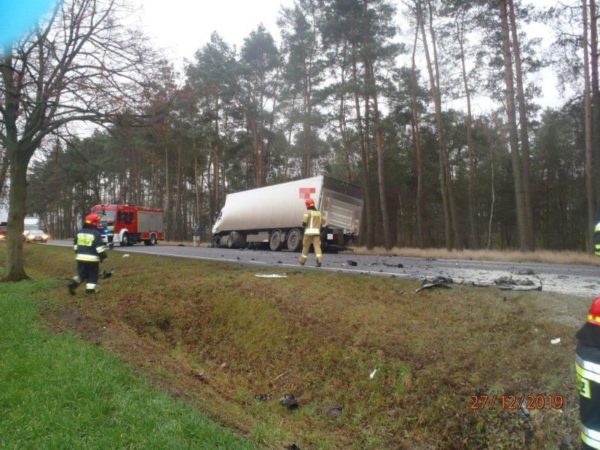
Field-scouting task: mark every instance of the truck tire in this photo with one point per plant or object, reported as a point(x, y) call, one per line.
point(216, 241)
point(151, 241)
point(125, 240)
point(294, 240)
point(276, 240)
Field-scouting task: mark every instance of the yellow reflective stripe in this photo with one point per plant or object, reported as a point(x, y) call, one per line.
point(588, 365)
point(90, 286)
point(87, 258)
point(595, 319)
point(590, 437)
point(84, 239)
point(587, 374)
point(597, 227)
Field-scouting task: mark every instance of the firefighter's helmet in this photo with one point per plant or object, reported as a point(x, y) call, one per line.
point(92, 219)
point(594, 313)
point(310, 203)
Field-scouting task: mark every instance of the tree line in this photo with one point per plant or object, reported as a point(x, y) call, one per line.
point(372, 92)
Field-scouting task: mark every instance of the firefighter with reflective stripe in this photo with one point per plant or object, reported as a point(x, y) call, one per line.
point(90, 252)
point(587, 368)
point(597, 237)
point(312, 222)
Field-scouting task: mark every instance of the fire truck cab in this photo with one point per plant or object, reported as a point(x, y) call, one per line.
point(129, 224)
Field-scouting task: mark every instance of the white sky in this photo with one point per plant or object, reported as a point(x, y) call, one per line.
point(180, 27)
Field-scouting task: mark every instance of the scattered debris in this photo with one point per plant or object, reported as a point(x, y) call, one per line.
point(520, 288)
point(126, 255)
point(525, 272)
point(438, 279)
point(432, 285)
point(289, 401)
point(223, 365)
point(106, 274)
point(198, 376)
point(350, 263)
point(372, 374)
point(525, 411)
point(280, 375)
point(399, 265)
point(517, 284)
point(555, 341)
point(335, 411)
point(271, 275)
point(263, 397)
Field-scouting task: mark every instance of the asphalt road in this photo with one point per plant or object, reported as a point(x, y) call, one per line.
point(580, 280)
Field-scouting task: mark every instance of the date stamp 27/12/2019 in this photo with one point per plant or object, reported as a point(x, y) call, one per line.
point(514, 402)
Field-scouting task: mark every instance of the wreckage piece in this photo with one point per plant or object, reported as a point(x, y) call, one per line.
point(515, 287)
point(432, 285)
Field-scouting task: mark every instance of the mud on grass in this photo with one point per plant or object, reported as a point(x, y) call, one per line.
point(217, 336)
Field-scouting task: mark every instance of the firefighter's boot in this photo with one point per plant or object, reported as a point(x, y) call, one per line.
point(72, 286)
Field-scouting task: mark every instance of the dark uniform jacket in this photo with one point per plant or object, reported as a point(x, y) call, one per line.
point(88, 245)
point(588, 382)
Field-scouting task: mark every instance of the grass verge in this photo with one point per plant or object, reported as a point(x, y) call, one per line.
point(60, 392)
point(537, 256)
point(374, 364)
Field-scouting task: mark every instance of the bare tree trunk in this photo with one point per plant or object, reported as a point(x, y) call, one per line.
point(443, 158)
point(369, 222)
point(595, 94)
point(417, 143)
point(588, 131)
point(473, 234)
point(523, 127)
point(512, 129)
point(458, 242)
point(15, 264)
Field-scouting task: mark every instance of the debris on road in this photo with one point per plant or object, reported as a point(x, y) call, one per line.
point(398, 265)
point(517, 284)
point(525, 272)
point(263, 397)
point(555, 341)
point(350, 263)
point(372, 374)
point(126, 255)
point(289, 401)
point(438, 279)
point(271, 275)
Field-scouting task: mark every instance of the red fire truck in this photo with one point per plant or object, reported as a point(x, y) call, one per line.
point(128, 224)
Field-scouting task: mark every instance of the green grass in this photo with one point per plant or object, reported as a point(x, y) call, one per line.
point(59, 392)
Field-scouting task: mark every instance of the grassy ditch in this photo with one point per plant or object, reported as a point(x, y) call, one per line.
point(373, 364)
point(60, 392)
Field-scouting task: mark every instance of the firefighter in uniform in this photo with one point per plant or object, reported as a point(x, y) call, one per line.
point(90, 252)
point(597, 236)
point(312, 222)
point(588, 377)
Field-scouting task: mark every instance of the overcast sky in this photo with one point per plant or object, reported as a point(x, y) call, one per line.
point(181, 27)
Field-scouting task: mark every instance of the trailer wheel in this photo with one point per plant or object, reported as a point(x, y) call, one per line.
point(294, 240)
point(276, 240)
point(153, 240)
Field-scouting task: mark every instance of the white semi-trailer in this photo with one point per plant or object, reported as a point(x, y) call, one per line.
point(273, 214)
